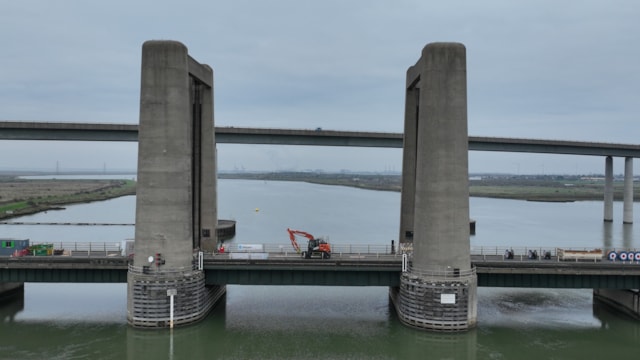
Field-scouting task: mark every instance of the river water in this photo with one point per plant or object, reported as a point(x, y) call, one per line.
point(88, 321)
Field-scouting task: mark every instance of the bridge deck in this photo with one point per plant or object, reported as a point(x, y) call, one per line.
point(348, 270)
point(30, 130)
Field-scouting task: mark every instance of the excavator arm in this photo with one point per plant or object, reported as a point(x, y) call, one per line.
point(315, 247)
point(292, 237)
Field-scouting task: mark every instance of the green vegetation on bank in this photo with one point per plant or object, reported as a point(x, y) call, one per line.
point(363, 181)
point(533, 188)
point(566, 189)
point(22, 197)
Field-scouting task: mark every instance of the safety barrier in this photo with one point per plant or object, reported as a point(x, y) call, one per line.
point(443, 272)
point(522, 253)
point(88, 249)
point(577, 254)
point(624, 255)
point(286, 250)
point(155, 270)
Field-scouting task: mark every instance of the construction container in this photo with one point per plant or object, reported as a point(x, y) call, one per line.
point(9, 246)
point(41, 249)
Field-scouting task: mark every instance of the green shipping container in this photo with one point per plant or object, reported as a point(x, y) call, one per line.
point(42, 249)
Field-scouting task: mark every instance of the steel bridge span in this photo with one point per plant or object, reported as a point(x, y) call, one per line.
point(348, 270)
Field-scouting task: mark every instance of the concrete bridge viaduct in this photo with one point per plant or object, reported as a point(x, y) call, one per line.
point(64, 131)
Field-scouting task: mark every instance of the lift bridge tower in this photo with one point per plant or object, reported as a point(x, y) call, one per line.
point(438, 290)
point(176, 190)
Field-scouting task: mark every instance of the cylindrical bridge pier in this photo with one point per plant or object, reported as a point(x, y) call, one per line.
point(627, 209)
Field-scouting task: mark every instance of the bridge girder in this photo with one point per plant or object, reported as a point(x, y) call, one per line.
point(331, 276)
point(24, 130)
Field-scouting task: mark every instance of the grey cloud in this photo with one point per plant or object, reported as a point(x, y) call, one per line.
point(544, 69)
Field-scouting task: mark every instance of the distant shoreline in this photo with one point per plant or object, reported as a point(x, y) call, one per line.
point(549, 188)
point(19, 197)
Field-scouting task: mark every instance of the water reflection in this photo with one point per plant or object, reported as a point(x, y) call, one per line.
point(11, 306)
point(61, 340)
point(607, 235)
point(523, 308)
point(609, 241)
point(226, 335)
point(627, 236)
point(407, 343)
point(616, 322)
point(261, 323)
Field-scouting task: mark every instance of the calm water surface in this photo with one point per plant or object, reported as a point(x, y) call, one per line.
point(88, 321)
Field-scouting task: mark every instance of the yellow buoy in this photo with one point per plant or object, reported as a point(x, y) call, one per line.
point(257, 209)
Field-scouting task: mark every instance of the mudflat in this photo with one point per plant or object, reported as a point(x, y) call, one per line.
point(25, 196)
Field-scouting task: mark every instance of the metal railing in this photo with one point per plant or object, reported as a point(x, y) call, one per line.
point(523, 253)
point(287, 250)
point(87, 248)
point(83, 245)
point(156, 270)
point(440, 272)
point(335, 248)
point(577, 254)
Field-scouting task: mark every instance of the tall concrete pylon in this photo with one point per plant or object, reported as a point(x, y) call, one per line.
point(627, 204)
point(608, 189)
point(176, 190)
point(438, 289)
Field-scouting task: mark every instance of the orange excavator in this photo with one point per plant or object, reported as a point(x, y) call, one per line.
point(315, 247)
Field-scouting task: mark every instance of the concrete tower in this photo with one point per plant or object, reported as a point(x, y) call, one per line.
point(176, 191)
point(438, 292)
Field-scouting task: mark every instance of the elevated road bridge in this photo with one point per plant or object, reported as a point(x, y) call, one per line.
point(27, 130)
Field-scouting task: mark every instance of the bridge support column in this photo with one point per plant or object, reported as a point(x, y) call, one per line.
point(438, 292)
point(608, 189)
point(626, 301)
point(627, 212)
point(176, 199)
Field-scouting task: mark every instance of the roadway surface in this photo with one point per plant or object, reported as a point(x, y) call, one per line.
point(348, 269)
point(483, 264)
point(26, 130)
point(100, 258)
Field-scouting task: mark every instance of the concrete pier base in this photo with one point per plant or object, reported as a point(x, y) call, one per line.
point(148, 296)
point(11, 290)
point(436, 303)
point(626, 301)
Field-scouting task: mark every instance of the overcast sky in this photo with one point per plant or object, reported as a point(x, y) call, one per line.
point(535, 69)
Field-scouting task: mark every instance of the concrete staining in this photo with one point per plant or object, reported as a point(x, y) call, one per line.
point(438, 292)
point(176, 199)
